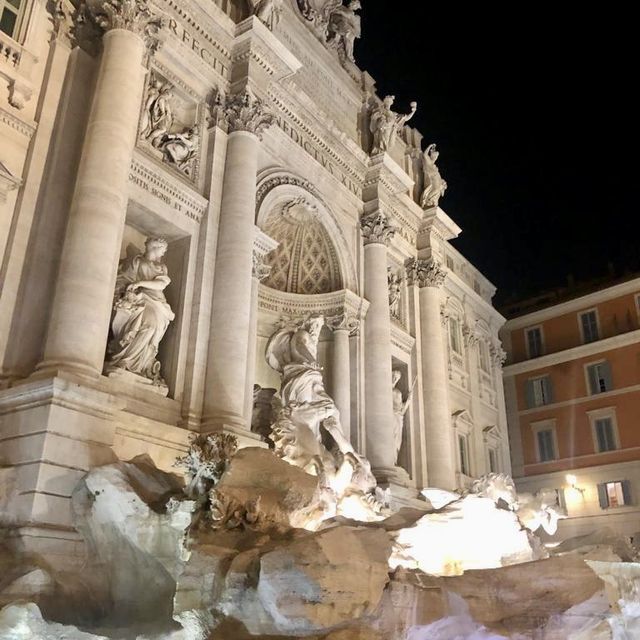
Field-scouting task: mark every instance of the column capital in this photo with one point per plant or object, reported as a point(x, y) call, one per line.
point(344, 322)
point(131, 15)
point(245, 112)
point(425, 272)
point(498, 355)
point(377, 228)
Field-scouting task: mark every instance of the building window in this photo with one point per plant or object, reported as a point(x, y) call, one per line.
point(9, 16)
point(604, 430)
point(599, 377)
point(589, 326)
point(539, 392)
point(614, 494)
point(485, 360)
point(463, 450)
point(535, 346)
point(494, 467)
point(546, 445)
point(454, 336)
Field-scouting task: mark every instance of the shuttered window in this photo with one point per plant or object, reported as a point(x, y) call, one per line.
point(589, 325)
point(546, 446)
point(9, 16)
point(539, 392)
point(614, 494)
point(605, 434)
point(600, 378)
point(535, 348)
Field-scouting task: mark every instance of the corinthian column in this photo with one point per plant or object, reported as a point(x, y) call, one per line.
point(429, 276)
point(224, 405)
point(343, 326)
point(81, 311)
point(377, 232)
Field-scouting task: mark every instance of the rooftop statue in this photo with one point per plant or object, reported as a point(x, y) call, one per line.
point(268, 11)
point(386, 123)
point(343, 28)
point(434, 185)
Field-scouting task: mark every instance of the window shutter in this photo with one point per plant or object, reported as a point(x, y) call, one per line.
point(602, 496)
point(593, 379)
point(548, 392)
point(606, 374)
point(531, 398)
point(626, 491)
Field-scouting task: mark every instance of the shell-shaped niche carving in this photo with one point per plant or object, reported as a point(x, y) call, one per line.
point(305, 261)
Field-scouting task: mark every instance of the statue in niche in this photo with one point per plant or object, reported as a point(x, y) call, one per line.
point(395, 288)
point(343, 28)
point(400, 408)
point(268, 11)
point(307, 431)
point(141, 313)
point(434, 185)
point(386, 123)
point(157, 116)
point(262, 414)
point(181, 148)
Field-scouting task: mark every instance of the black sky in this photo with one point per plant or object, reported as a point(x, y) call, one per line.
point(535, 122)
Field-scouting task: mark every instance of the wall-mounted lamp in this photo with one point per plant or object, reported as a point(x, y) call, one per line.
point(571, 481)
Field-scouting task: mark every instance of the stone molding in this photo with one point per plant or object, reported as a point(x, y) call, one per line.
point(131, 15)
point(425, 273)
point(246, 112)
point(377, 228)
point(8, 182)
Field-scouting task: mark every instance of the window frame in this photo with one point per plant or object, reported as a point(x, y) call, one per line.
point(464, 437)
point(458, 332)
point(581, 314)
point(625, 486)
point(587, 378)
point(532, 381)
point(540, 328)
point(21, 12)
point(546, 425)
point(608, 413)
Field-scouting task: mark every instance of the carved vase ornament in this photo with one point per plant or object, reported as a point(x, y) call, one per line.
point(141, 314)
point(386, 123)
point(434, 185)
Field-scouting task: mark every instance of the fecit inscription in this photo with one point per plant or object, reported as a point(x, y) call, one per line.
point(175, 198)
point(196, 45)
point(301, 139)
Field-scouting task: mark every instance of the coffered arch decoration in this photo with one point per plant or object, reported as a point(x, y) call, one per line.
point(312, 256)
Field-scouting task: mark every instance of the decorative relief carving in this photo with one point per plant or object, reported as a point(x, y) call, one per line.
point(141, 314)
point(260, 271)
point(377, 228)
point(131, 15)
point(245, 112)
point(498, 355)
point(167, 135)
point(434, 185)
point(470, 335)
point(8, 182)
point(386, 123)
point(425, 273)
point(344, 322)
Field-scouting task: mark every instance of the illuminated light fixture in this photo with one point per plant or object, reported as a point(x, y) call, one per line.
point(572, 482)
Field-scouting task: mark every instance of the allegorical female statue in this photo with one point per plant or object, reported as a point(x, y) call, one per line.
point(181, 148)
point(400, 408)
point(434, 185)
point(385, 124)
point(344, 28)
point(157, 116)
point(141, 313)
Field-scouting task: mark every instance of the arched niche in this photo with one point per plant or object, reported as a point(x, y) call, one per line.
point(313, 256)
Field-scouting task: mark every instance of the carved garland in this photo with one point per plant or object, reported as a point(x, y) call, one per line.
point(377, 228)
point(425, 273)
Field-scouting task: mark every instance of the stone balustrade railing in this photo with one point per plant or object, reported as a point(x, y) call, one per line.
point(16, 63)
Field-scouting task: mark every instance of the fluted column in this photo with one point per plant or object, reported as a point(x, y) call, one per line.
point(81, 310)
point(343, 326)
point(377, 232)
point(429, 276)
point(224, 405)
point(259, 272)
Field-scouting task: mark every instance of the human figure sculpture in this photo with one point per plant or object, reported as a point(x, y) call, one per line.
point(344, 28)
point(141, 313)
point(157, 117)
point(268, 11)
point(385, 124)
point(395, 288)
point(434, 185)
point(180, 148)
point(307, 431)
point(400, 408)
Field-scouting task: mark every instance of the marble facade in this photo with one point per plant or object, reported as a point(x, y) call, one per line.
point(246, 137)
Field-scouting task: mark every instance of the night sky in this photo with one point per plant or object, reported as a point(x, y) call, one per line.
point(534, 124)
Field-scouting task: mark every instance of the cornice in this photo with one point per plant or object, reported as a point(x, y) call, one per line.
point(7, 118)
